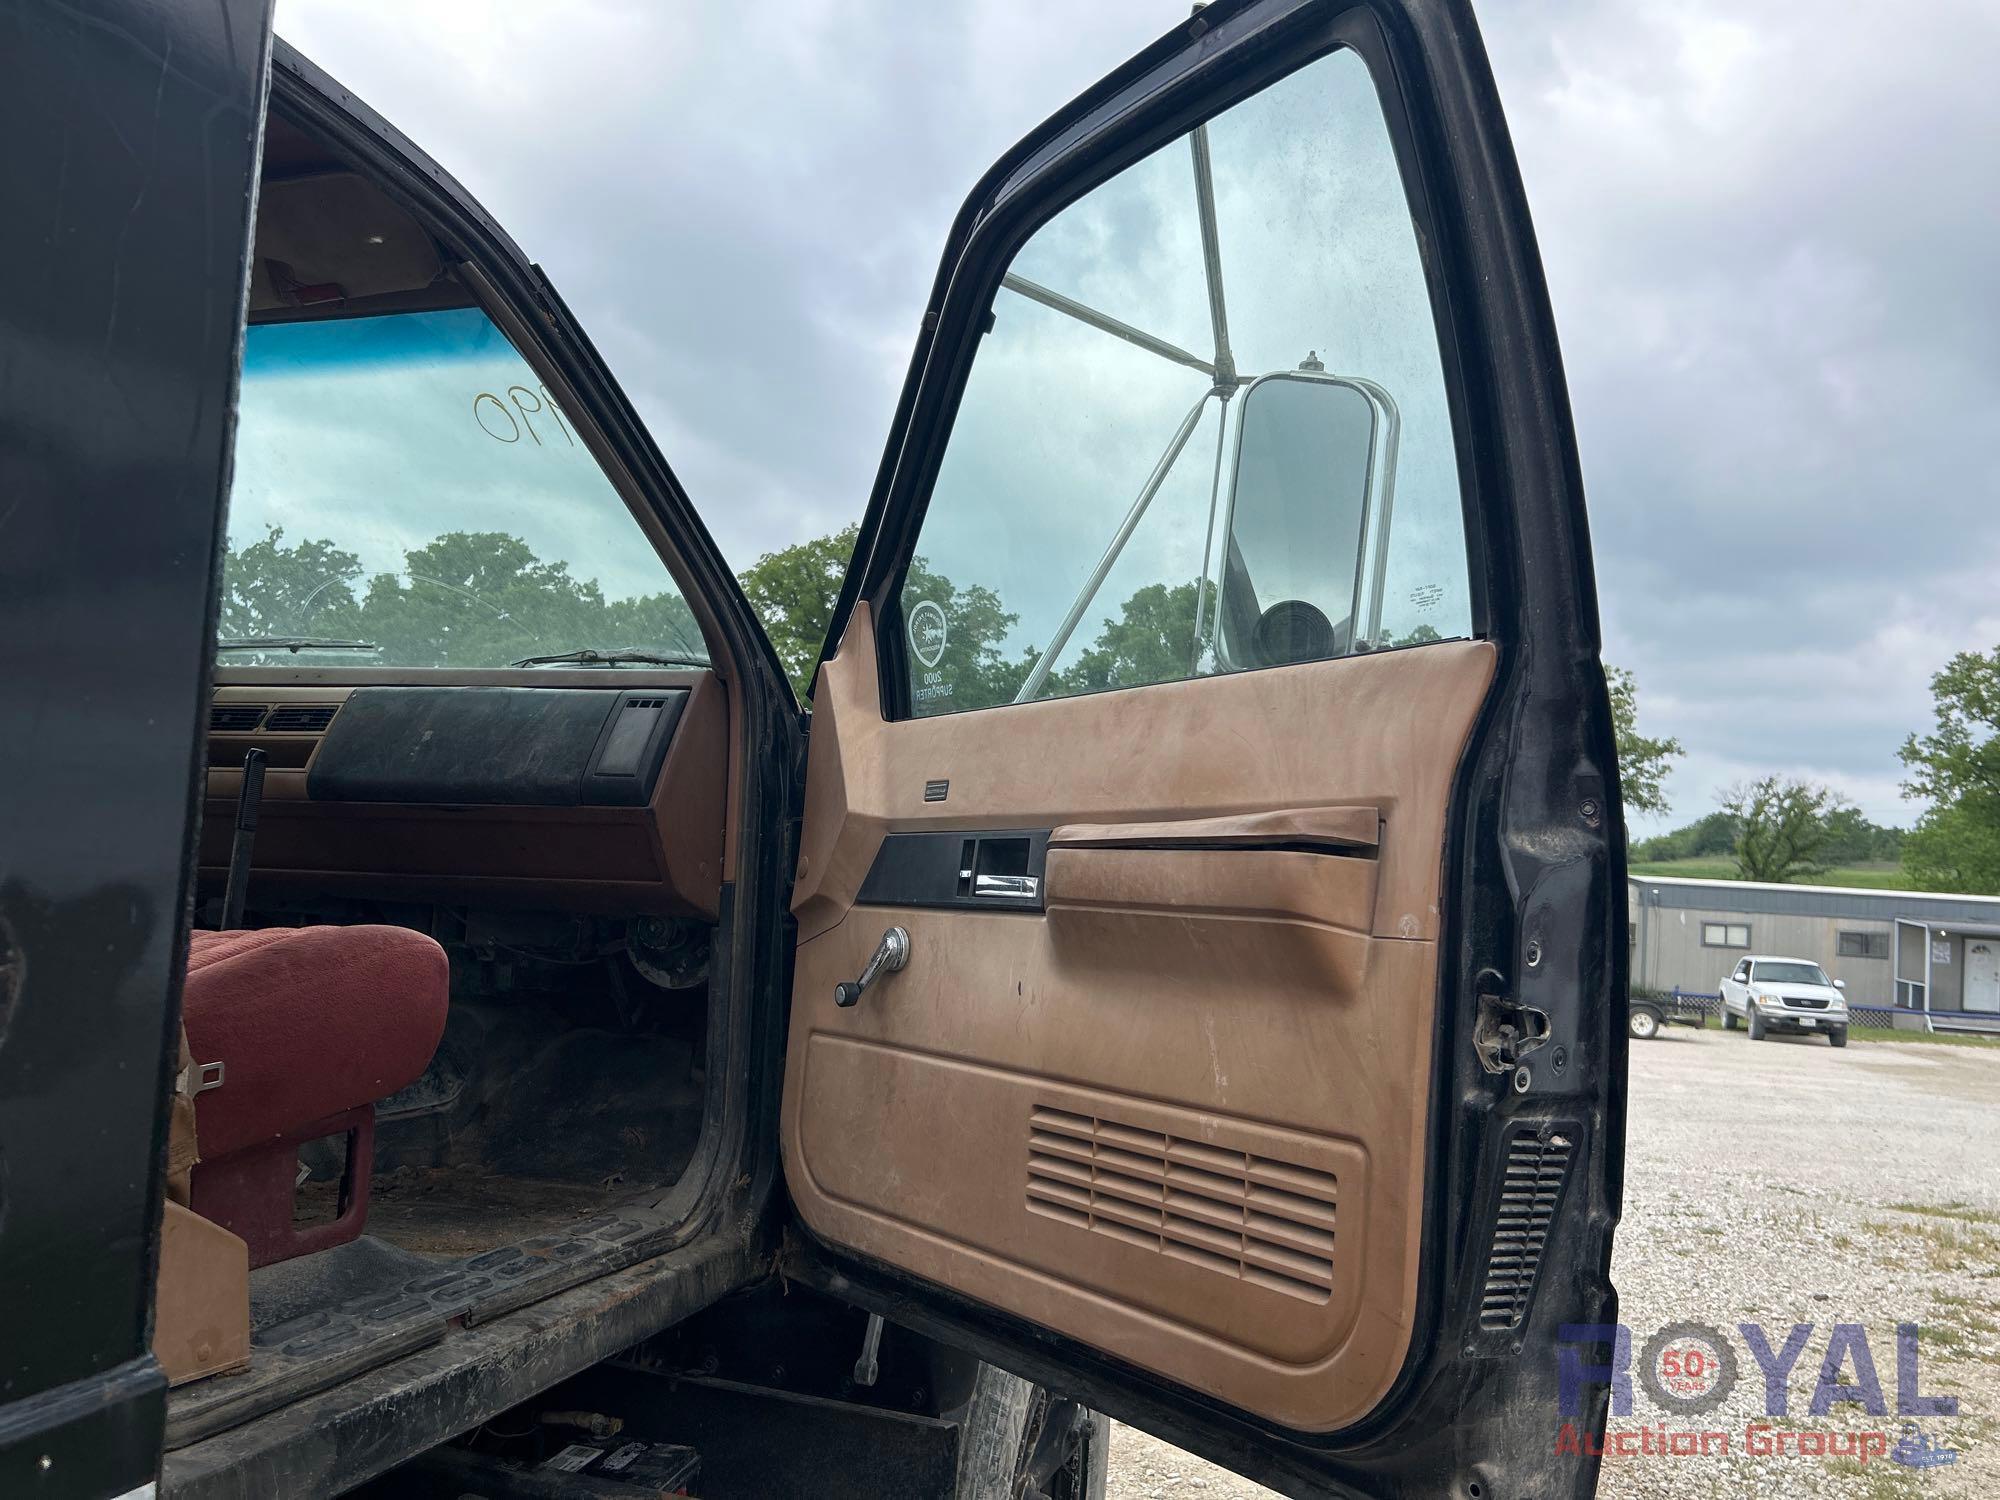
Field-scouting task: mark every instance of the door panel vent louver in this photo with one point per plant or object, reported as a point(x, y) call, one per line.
point(308, 718)
point(234, 718)
point(1255, 1218)
point(1531, 1191)
point(645, 703)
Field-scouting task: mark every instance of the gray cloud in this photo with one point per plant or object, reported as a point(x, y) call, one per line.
point(1769, 235)
point(1769, 239)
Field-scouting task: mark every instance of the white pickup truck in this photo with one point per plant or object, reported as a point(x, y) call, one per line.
point(1784, 994)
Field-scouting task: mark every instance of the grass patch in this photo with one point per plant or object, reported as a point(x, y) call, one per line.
point(1940, 1245)
point(1963, 1431)
point(1877, 1480)
point(1958, 1325)
point(1965, 1213)
point(1920, 1038)
point(1879, 877)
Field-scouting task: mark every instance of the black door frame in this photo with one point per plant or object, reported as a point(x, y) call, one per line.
point(126, 191)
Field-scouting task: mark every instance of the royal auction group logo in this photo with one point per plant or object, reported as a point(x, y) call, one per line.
point(1689, 1370)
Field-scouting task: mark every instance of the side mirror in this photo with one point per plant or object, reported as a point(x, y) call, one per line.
point(1305, 543)
point(1840, 984)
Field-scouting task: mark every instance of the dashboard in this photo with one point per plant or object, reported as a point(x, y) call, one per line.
point(568, 789)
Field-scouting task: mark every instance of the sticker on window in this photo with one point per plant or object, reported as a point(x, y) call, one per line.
point(927, 632)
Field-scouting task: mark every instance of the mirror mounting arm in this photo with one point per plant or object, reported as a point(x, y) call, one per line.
point(1211, 256)
point(1034, 291)
point(1039, 673)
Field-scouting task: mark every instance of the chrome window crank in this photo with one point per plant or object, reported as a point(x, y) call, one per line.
point(890, 954)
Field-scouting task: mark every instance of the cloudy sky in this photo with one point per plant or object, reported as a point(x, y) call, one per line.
point(1770, 234)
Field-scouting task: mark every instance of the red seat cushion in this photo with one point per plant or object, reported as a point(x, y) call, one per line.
point(307, 1022)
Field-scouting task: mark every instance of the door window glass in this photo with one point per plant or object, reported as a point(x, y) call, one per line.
point(1206, 429)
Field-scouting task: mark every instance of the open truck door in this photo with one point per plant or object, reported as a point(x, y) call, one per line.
point(132, 133)
point(1208, 891)
point(1208, 898)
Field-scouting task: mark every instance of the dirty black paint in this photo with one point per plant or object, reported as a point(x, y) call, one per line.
point(125, 189)
point(327, 1443)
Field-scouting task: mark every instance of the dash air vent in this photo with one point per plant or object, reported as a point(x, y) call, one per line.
point(1251, 1217)
point(309, 718)
point(234, 718)
point(1531, 1190)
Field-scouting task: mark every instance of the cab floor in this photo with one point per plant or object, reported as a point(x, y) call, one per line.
point(321, 1318)
point(455, 1211)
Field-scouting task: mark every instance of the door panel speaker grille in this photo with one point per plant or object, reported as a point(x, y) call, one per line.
point(1252, 1217)
point(1531, 1190)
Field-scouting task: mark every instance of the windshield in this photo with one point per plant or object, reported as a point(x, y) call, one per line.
point(1789, 974)
point(408, 495)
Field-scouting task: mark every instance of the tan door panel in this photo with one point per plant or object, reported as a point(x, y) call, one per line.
point(1319, 827)
point(1272, 885)
point(1257, 915)
point(1382, 731)
point(1181, 1114)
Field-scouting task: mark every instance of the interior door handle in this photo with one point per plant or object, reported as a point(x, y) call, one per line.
point(1021, 887)
point(890, 955)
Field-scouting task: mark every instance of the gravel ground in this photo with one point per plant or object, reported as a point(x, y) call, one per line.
point(1783, 1182)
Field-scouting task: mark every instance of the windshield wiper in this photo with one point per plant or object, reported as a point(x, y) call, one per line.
point(589, 658)
point(293, 643)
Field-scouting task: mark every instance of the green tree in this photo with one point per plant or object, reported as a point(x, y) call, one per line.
point(1955, 848)
point(1853, 840)
point(1711, 835)
point(474, 598)
point(1956, 766)
point(793, 592)
point(655, 622)
point(1786, 826)
point(463, 599)
point(306, 588)
point(1643, 763)
point(1152, 640)
point(971, 671)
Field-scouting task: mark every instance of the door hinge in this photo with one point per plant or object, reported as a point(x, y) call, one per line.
point(1505, 1031)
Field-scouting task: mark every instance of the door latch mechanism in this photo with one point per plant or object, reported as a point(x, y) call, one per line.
point(890, 955)
point(1505, 1031)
